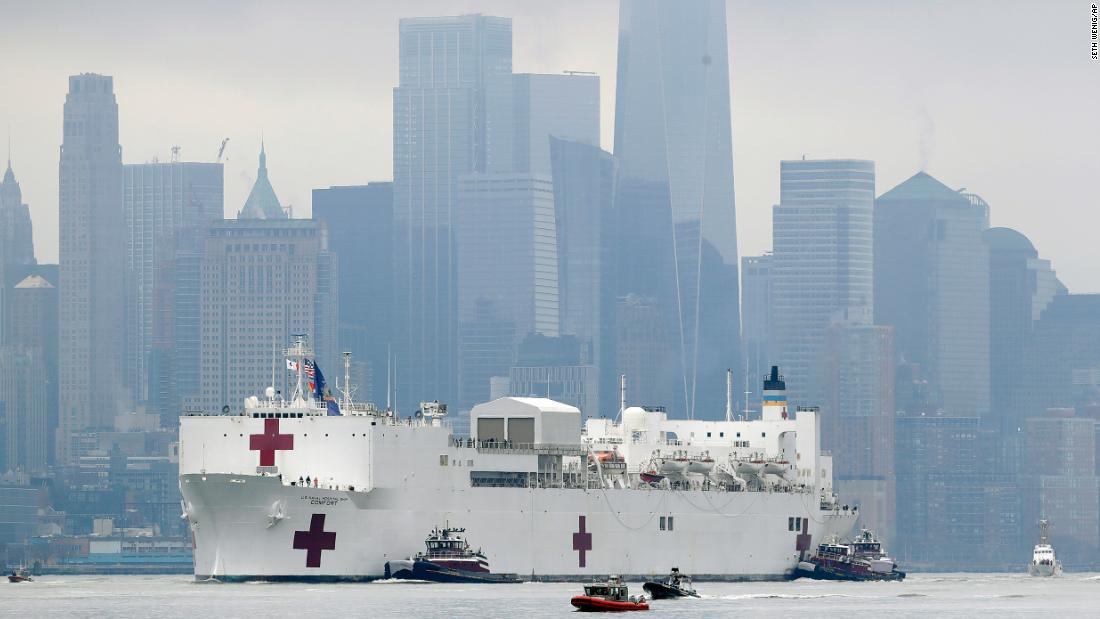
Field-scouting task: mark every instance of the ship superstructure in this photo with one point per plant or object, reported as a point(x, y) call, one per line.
point(300, 489)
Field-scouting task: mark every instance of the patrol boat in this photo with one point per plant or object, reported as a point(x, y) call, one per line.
point(1043, 561)
point(675, 585)
point(610, 596)
point(522, 484)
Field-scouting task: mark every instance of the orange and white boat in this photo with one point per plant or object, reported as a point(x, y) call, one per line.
point(610, 596)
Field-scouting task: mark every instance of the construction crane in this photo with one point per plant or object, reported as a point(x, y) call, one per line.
point(221, 149)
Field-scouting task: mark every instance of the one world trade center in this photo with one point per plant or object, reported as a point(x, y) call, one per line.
point(677, 235)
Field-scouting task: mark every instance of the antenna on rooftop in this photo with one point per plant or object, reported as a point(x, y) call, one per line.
point(221, 149)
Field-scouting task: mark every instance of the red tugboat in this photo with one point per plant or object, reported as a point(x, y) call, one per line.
point(611, 596)
point(448, 558)
point(862, 559)
point(19, 575)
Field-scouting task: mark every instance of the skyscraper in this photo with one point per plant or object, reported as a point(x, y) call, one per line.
point(360, 224)
point(584, 186)
point(932, 285)
point(92, 252)
point(1021, 286)
point(263, 279)
point(526, 109)
point(1062, 357)
point(168, 207)
point(858, 415)
point(1060, 482)
point(506, 249)
point(16, 234)
point(756, 323)
point(16, 237)
point(822, 262)
point(439, 118)
point(28, 374)
point(675, 193)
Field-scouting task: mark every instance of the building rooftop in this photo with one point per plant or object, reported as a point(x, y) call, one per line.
point(922, 186)
point(34, 281)
point(1007, 239)
point(262, 203)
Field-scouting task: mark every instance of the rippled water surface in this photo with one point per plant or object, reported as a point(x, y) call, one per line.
point(920, 595)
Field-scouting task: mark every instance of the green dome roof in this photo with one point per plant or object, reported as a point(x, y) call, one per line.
point(262, 203)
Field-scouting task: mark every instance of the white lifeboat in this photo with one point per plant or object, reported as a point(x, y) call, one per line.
point(702, 465)
point(672, 466)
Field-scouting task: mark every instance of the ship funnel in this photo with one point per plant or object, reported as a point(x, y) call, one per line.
point(775, 396)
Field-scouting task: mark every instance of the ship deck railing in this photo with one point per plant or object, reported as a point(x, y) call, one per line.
point(511, 447)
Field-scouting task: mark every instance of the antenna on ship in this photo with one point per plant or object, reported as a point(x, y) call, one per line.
point(274, 356)
point(622, 396)
point(389, 379)
point(346, 405)
point(729, 394)
point(298, 353)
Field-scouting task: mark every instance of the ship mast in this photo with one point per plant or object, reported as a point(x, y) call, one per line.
point(729, 394)
point(297, 353)
point(346, 405)
point(622, 396)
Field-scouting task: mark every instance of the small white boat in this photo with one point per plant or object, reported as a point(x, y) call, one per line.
point(1043, 560)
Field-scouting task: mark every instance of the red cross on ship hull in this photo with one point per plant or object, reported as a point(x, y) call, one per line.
point(269, 442)
point(582, 541)
point(315, 540)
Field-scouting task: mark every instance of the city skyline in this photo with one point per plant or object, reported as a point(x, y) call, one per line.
point(916, 109)
point(587, 244)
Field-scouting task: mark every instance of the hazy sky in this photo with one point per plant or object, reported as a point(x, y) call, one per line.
point(999, 97)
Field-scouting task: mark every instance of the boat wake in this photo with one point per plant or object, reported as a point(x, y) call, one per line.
point(785, 596)
point(400, 581)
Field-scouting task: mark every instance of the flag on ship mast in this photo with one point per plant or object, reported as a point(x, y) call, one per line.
point(292, 365)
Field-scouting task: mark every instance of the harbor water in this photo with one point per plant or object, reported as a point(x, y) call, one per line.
point(920, 595)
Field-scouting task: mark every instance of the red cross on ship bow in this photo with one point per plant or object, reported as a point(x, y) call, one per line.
point(315, 540)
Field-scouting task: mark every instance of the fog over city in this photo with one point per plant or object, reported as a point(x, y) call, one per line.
point(559, 291)
point(995, 96)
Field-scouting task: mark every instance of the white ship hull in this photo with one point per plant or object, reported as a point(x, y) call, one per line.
point(1045, 570)
point(527, 486)
point(245, 528)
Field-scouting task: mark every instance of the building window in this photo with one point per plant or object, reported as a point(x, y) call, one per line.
point(443, 460)
point(670, 523)
point(790, 523)
point(662, 523)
